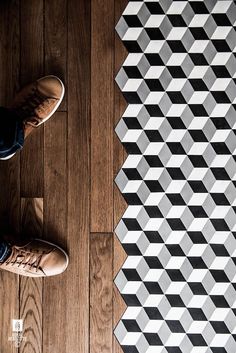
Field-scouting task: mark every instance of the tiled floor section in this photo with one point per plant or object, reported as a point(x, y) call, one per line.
point(179, 179)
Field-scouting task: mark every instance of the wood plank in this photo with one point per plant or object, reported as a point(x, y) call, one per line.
point(32, 68)
point(101, 263)
point(76, 332)
point(9, 309)
point(9, 170)
point(31, 288)
point(56, 42)
point(9, 83)
point(119, 254)
point(119, 305)
point(102, 49)
point(31, 217)
point(55, 230)
point(9, 50)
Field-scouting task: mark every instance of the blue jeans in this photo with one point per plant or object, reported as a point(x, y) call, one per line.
point(4, 250)
point(11, 133)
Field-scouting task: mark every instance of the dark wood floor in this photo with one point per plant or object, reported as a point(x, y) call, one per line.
point(60, 187)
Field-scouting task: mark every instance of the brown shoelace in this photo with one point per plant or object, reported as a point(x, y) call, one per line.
point(25, 258)
point(26, 111)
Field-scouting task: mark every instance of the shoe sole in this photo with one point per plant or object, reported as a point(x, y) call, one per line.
point(52, 112)
point(4, 159)
point(58, 247)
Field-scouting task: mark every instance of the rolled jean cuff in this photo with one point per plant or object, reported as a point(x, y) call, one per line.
point(11, 134)
point(4, 251)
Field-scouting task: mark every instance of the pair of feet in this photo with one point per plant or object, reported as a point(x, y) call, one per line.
point(34, 105)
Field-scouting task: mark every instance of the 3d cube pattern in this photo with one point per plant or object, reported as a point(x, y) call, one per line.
point(179, 230)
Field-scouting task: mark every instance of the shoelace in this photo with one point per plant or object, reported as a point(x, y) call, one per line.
point(27, 109)
point(25, 258)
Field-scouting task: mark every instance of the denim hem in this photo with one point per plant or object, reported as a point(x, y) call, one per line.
point(17, 143)
point(6, 251)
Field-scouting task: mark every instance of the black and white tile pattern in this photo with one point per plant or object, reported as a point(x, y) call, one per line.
point(179, 179)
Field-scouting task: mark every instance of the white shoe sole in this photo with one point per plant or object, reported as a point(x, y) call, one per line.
point(59, 101)
point(4, 159)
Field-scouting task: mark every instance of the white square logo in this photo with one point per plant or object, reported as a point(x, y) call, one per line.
point(17, 325)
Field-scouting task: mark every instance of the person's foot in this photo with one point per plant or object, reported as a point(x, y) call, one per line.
point(36, 258)
point(38, 101)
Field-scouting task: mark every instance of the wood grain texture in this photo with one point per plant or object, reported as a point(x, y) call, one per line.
point(101, 293)
point(102, 60)
point(119, 305)
point(31, 314)
point(119, 204)
point(68, 165)
point(55, 179)
point(9, 170)
point(30, 300)
point(56, 42)
point(9, 50)
point(9, 309)
point(9, 83)
point(31, 217)
point(32, 68)
point(76, 332)
point(55, 230)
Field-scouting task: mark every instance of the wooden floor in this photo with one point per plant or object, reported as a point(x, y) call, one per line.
point(60, 187)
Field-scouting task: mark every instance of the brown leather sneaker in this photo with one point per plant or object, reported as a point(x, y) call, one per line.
point(38, 101)
point(37, 258)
